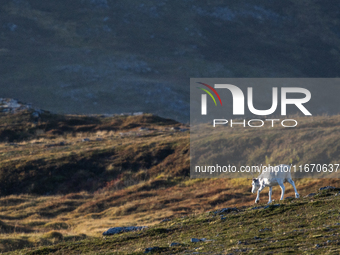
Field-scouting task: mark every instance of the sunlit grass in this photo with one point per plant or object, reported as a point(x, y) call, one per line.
point(68, 188)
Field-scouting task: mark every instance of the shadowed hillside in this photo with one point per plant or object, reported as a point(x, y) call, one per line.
point(43, 153)
point(103, 56)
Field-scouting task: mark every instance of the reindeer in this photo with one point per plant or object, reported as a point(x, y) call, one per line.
point(275, 176)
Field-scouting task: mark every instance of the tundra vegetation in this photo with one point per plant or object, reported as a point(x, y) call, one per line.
point(65, 179)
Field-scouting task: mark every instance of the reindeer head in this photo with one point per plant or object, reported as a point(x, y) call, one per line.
point(255, 185)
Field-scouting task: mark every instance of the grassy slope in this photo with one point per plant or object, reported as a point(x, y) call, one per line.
point(59, 190)
point(296, 226)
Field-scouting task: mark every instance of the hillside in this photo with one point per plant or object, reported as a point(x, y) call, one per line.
point(66, 178)
point(99, 56)
point(315, 140)
point(59, 154)
point(307, 225)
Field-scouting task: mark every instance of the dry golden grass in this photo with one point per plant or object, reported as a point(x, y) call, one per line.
point(29, 220)
point(57, 187)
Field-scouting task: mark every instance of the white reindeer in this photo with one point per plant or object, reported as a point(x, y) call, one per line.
point(272, 177)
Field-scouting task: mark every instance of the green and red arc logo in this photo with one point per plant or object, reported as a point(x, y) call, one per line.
point(209, 93)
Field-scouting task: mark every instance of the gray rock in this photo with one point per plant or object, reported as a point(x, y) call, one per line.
point(85, 140)
point(195, 240)
point(151, 249)
point(264, 229)
point(267, 206)
point(317, 246)
point(327, 188)
point(174, 244)
point(227, 210)
point(258, 207)
point(310, 195)
point(117, 230)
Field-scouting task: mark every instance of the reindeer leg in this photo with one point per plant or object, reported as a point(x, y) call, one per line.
point(282, 190)
point(270, 195)
point(293, 184)
point(258, 194)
